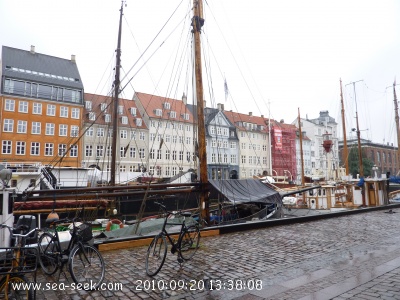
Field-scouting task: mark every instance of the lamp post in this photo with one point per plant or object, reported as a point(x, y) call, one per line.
point(375, 169)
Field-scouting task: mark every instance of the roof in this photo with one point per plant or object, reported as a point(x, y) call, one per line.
point(240, 191)
point(36, 67)
point(151, 103)
point(235, 118)
point(97, 100)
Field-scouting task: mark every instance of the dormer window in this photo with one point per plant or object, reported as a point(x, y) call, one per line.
point(124, 120)
point(92, 116)
point(120, 109)
point(103, 107)
point(88, 105)
point(107, 118)
point(185, 116)
point(138, 122)
point(158, 112)
point(133, 111)
point(167, 105)
point(172, 114)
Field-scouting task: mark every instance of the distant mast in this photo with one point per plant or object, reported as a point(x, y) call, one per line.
point(115, 100)
point(345, 150)
point(197, 23)
point(396, 111)
point(301, 150)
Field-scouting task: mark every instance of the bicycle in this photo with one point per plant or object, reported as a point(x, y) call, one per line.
point(85, 263)
point(186, 246)
point(15, 262)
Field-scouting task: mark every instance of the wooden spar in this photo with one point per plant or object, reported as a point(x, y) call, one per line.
point(197, 23)
point(360, 161)
point(301, 151)
point(115, 102)
point(345, 150)
point(396, 111)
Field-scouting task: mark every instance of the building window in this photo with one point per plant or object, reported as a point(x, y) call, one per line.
point(6, 148)
point(99, 150)
point(133, 135)
point(159, 154)
point(142, 153)
point(37, 108)
point(88, 150)
point(92, 116)
point(51, 110)
point(123, 134)
point(142, 136)
point(167, 154)
point(49, 149)
point(23, 107)
point(100, 132)
point(132, 152)
point(122, 152)
point(73, 152)
point(107, 118)
point(22, 126)
point(50, 127)
point(88, 105)
point(89, 131)
point(36, 127)
point(20, 148)
point(181, 155)
point(120, 109)
point(152, 154)
point(158, 112)
point(124, 120)
point(103, 107)
point(186, 116)
point(35, 148)
point(74, 131)
point(64, 112)
point(172, 114)
point(133, 111)
point(63, 130)
point(8, 125)
point(174, 155)
point(75, 112)
point(138, 122)
point(9, 105)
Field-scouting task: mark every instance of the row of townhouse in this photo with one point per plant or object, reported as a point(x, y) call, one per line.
point(46, 117)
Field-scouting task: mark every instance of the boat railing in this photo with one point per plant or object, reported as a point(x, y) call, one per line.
point(22, 167)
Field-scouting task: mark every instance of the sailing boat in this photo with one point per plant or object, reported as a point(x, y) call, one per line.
point(136, 198)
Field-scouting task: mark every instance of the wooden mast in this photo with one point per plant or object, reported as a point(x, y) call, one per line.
point(301, 150)
point(115, 100)
point(345, 150)
point(396, 111)
point(360, 161)
point(197, 23)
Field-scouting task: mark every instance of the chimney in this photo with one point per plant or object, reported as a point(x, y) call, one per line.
point(32, 49)
point(250, 114)
point(184, 99)
point(262, 116)
point(282, 121)
point(73, 58)
point(220, 107)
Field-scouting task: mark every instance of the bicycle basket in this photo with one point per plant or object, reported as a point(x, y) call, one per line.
point(84, 232)
point(26, 263)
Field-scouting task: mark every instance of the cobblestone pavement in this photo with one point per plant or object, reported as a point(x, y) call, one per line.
point(349, 257)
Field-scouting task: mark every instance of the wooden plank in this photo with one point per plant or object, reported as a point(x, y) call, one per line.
point(145, 242)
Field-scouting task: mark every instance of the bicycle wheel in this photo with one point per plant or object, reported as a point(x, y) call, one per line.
point(156, 254)
point(86, 266)
point(189, 242)
point(48, 254)
point(18, 288)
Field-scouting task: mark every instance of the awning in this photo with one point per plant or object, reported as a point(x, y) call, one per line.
point(240, 191)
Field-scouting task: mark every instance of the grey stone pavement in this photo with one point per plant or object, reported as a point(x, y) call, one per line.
point(348, 257)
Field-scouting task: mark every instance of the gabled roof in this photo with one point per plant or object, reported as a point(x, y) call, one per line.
point(238, 119)
point(36, 67)
point(97, 100)
point(151, 103)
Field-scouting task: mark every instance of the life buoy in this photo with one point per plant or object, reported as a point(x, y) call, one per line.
point(114, 221)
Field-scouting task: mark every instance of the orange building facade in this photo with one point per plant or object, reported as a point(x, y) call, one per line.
point(41, 109)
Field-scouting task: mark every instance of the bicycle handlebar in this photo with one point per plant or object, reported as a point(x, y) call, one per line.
point(21, 227)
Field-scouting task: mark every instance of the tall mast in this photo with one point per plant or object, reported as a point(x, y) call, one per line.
point(197, 23)
point(115, 100)
point(396, 111)
point(345, 150)
point(301, 150)
point(359, 150)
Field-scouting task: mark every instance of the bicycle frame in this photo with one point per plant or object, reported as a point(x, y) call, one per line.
point(165, 233)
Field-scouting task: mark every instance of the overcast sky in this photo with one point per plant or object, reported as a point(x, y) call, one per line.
point(285, 54)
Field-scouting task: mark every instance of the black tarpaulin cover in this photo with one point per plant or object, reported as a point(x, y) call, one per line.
point(246, 191)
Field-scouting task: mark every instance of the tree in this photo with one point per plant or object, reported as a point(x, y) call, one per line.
point(354, 165)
